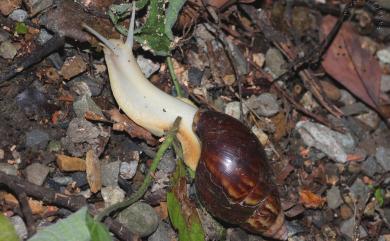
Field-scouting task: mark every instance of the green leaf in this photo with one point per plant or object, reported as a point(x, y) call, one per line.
point(379, 196)
point(72, 228)
point(97, 230)
point(21, 28)
point(182, 212)
point(171, 16)
point(7, 230)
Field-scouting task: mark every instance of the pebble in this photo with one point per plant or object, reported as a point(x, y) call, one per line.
point(236, 234)
point(164, 232)
point(333, 197)
point(382, 156)
point(347, 228)
point(54, 146)
point(335, 145)
point(260, 134)
point(80, 178)
point(70, 164)
point(20, 227)
point(345, 212)
point(63, 181)
point(274, 61)
point(36, 173)
point(128, 169)
point(346, 98)
point(359, 191)
point(7, 6)
point(36, 6)
point(43, 36)
point(331, 91)
point(147, 66)
point(354, 108)
point(110, 172)
point(18, 15)
point(95, 85)
point(112, 195)
point(371, 119)
point(265, 104)
point(384, 55)
point(233, 109)
point(139, 218)
point(80, 87)
point(308, 101)
point(385, 83)
point(37, 139)
point(168, 162)
point(213, 230)
point(73, 66)
point(370, 167)
point(8, 169)
point(4, 35)
point(84, 104)
point(195, 76)
point(8, 50)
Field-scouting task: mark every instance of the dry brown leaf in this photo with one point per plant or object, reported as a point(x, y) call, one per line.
point(310, 199)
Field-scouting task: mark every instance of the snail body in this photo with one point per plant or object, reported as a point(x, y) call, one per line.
point(232, 174)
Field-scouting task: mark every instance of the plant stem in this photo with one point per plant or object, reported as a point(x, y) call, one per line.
point(141, 191)
point(179, 92)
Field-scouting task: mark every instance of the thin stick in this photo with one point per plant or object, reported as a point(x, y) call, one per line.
point(141, 191)
point(179, 92)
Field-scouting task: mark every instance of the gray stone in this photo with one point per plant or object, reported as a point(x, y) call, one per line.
point(164, 232)
point(4, 35)
point(147, 66)
point(128, 169)
point(110, 173)
point(371, 119)
point(36, 173)
point(384, 3)
point(265, 104)
point(139, 218)
point(385, 83)
point(43, 36)
point(37, 139)
point(347, 228)
point(80, 178)
point(95, 85)
point(370, 166)
point(383, 157)
point(8, 50)
point(36, 6)
point(84, 104)
point(274, 61)
point(236, 234)
point(112, 195)
point(346, 98)
point(333, 197)
point(19, 15)
point(355, 108)
point(233, 109)
point(360, 191)
point(8, 169)
point(20, 227)
point(384, 55)
point(54, 146)
point(63, 181)
point(168, 162)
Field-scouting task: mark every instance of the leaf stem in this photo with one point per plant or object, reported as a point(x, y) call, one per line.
point(179, 91)
point(141, 191)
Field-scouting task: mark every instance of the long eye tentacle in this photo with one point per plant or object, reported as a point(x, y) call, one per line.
point(130, 33)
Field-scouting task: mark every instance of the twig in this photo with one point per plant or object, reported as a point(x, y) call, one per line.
point(179, 91)
point(148, 179)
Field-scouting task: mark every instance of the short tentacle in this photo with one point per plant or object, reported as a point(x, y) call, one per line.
point(105, 41)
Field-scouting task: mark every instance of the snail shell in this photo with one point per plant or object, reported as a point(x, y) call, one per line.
point(233, 177)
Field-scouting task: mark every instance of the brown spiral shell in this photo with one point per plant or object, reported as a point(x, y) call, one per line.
point(233, 177)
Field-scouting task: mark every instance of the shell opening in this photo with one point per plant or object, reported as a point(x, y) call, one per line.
point(105, 41)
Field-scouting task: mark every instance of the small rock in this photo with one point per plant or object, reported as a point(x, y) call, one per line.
point(345, 212)
point(354, 167)
point(236, 234)
point(164, 232)
point(84, 104)
point(233, 109)
point(195, 76)
point(147, 66)
point(260, 134)
point(332, 174)
point(1, 154)
point(36, 6)
point(18, 15)
point(308, 101)
point(331, 91)
point(20, 227)
point(359, 191)
point(70, 164)
point(7, 6)
point(128, 169)
point(383, 157)
point(36, 173)
point(110, 173)
point(167, 163)
point(43, 36)
point(80, 178)
point(384, 4)
point(347, 228)
point(4, 35)
point(8, 169)
point(354, 109)
point(95, 85)
point(346, 98)
point(370, 209)
point(274, 61)
point(384, 55)
point(112, 195)
point(34, 103)
point(54, 146)
point(265, 104)
point(37, 139)
point(318, 219)
point(370, 166)
point(333, 197)
point(371, 119)
point(73, 66)
point(139, 218)
point(63, 181)
point(333, 144)
point(213, 230)
point(8, 50)
point(80, 87)
point(259, 59)
point(385, 83)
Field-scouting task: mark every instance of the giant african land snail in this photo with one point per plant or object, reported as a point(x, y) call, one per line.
point(232, 174)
